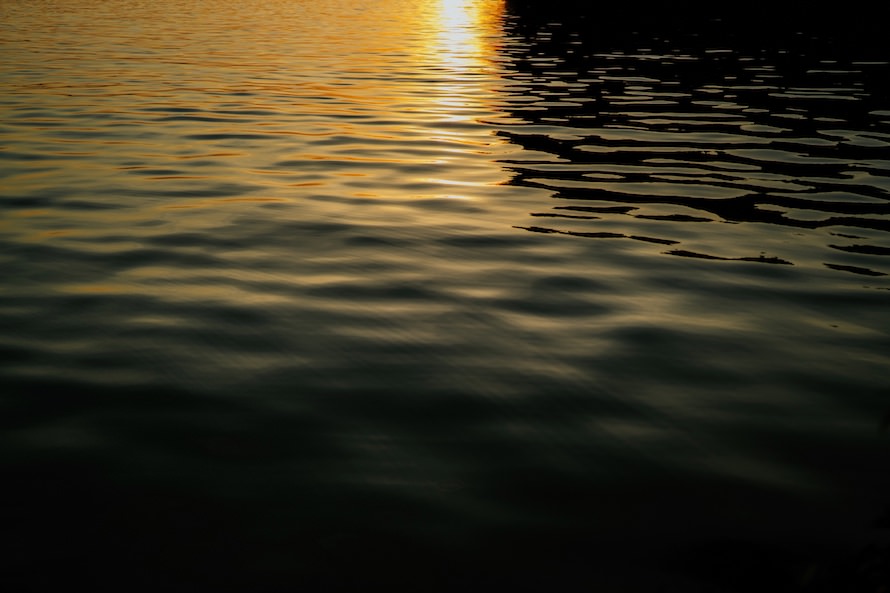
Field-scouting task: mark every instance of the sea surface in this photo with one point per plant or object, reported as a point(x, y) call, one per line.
point(447, 295)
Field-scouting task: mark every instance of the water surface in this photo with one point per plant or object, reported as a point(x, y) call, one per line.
point(439, 293)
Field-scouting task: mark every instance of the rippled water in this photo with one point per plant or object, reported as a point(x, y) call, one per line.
point(312, 294)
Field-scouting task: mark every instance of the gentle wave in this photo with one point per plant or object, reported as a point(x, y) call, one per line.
point(439, 278)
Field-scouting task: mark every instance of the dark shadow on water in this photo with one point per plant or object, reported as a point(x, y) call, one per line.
point(168, 490)
point(754, 23)
point(722, 113)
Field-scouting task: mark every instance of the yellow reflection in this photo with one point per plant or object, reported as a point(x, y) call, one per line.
point(463, 46)
point(466, 28)
point(456, 33)
point(465, 53)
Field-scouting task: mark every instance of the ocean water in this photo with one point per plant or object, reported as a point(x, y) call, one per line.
point(442, 294)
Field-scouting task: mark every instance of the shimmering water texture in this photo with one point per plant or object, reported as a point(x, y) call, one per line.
point(447, 295)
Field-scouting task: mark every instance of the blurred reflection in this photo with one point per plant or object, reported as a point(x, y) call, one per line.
point(457, 20)
point(460, 97)
point(464, 48)
point(468, 31)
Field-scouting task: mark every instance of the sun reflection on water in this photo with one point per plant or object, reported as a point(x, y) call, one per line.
point(457, 36)
point(466, 29)
point(461, 41)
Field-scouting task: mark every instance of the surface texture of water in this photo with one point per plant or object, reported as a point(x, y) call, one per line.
point(313, 293)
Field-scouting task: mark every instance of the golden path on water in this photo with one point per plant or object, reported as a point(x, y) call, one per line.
point(462, 40)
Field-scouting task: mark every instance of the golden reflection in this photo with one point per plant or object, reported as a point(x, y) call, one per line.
point(457, 33)
point(463, 47)
point(466, 29)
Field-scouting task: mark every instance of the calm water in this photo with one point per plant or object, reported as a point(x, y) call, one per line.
point(306, 295)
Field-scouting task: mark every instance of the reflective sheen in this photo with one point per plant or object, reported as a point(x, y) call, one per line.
point(309, 294)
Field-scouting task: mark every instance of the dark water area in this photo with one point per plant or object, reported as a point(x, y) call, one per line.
point(443, 295)
point(726, 122)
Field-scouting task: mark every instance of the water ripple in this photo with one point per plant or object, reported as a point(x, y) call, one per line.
point(757, 134)
point(453, 279)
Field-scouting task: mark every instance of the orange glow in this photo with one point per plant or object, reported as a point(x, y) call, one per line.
point(465, 31)
point(461, 41)
point(456, 19)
